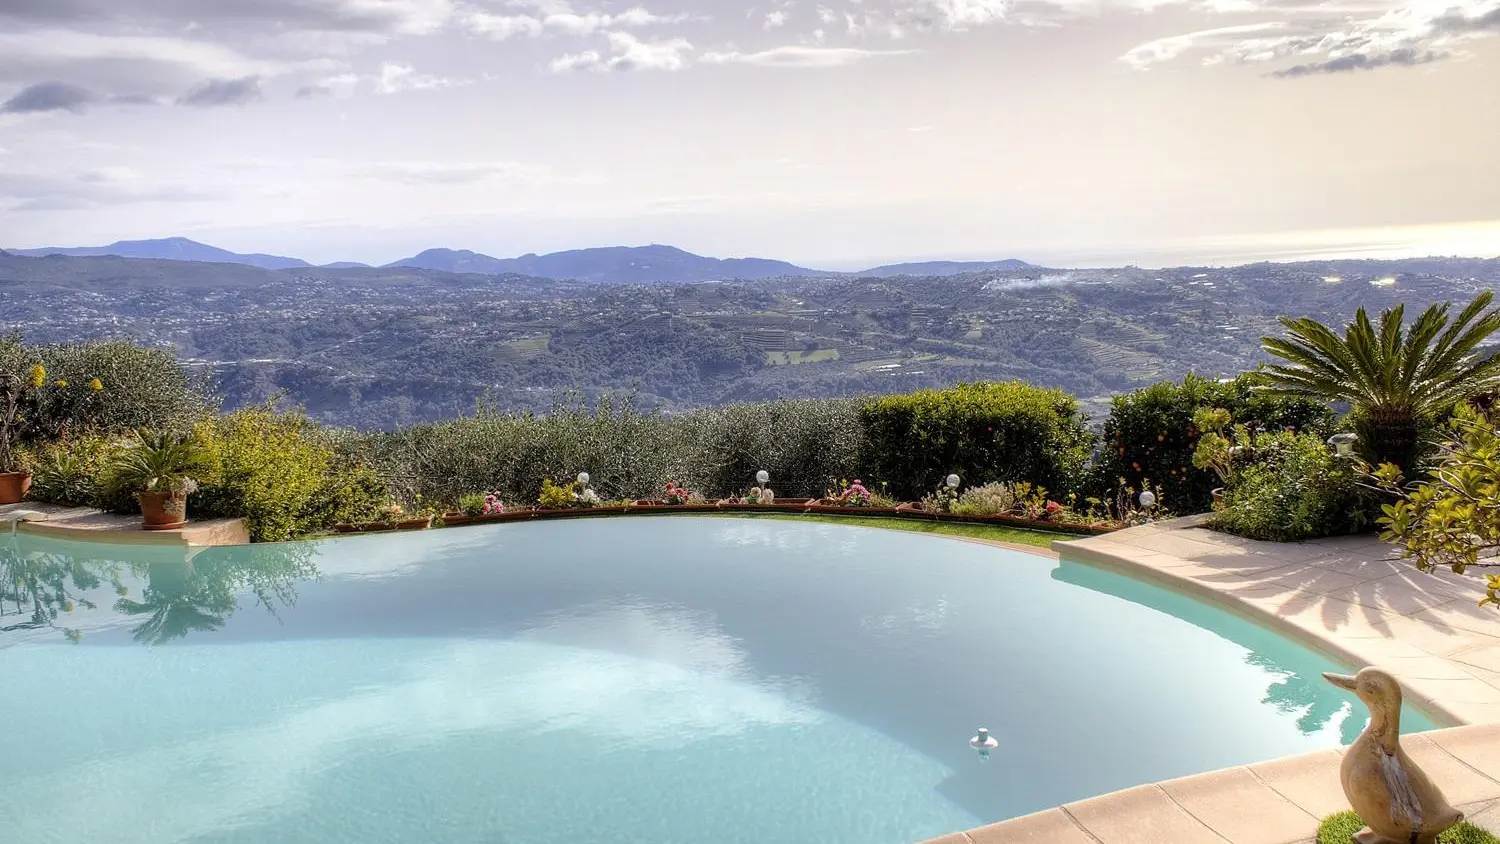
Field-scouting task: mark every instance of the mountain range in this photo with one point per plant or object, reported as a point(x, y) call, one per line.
point(607, 265)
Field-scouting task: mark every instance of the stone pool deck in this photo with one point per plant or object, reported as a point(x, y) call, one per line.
point(85, 524)
point(1350, 598)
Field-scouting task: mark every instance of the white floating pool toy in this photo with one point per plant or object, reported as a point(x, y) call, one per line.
point(983, 742)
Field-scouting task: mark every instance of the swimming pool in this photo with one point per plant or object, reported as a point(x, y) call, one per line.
point(625, 680)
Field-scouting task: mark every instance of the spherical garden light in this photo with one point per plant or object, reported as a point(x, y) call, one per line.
point(583, 478)
point(1343, 444)
point(762, 477)
point(1147, 499)
point(952, 481)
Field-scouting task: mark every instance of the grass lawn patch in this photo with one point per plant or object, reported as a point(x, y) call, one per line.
point(995, 533)
point(1340, 829)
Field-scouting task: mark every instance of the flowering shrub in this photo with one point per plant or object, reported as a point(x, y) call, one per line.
point(992, 499)
point(856, 495)
point(586, 497)
point(940, 500)
point(557, 496)
point(676, 494)
point(472, 504)
point(480, 504)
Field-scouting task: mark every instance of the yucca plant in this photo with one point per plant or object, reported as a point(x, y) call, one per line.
point(1399, 379)
point(161, 462)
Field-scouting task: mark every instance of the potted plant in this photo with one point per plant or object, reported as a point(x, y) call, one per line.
point(15, 480)
point(1217, 447)
point(556, 496)
point(473, 507)
point(162, 468)
point(676, 495)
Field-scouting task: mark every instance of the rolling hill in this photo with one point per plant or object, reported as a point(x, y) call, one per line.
point(603, 265)
point(610, 265)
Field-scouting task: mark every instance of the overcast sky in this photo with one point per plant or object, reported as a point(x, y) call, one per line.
point(834, 132)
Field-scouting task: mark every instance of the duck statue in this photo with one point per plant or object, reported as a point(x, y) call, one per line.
point(1397, 802)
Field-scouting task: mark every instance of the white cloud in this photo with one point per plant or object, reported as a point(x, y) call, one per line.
point(628, 53)
point(1171, 47)
point(956, 15)
point(801, 56)
point(396, 77)
point(775, 20)
point(501, 27)
point(586, 60)
point(121, 61)
point(560, 19)
point(1321, 39)
point(455, 172)
point(341, 85)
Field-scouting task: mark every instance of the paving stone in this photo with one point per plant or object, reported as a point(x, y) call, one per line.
point(1311, 781)
point(1241, 808)
point(1459, 782)
point(1141, 815)
point(1050, 827)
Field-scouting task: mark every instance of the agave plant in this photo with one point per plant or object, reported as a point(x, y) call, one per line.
point(1399, 379)
point(161, 462)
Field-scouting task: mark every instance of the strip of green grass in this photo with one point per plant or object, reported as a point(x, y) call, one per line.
point(1339, 829)
point(995, 533)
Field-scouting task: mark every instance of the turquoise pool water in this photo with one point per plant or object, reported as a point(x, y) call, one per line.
point(614, 680)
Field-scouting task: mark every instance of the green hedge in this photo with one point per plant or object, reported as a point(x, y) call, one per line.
point(1149, 433)
point(1006, 431)
point(627, 453)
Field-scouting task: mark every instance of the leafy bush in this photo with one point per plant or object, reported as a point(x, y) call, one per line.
point(349, 492)
point(472, 504)
point(1451, 519)
point(1293, 487)
point(557, 496)
point(629, 455)
point(1151, 435)
point(992, 499)
point(72, 471)
point(138, 388)
point(1006, 431)
point(805, 445)
point(274, 471)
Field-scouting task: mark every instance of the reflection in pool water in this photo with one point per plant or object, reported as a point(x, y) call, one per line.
point(624, 680)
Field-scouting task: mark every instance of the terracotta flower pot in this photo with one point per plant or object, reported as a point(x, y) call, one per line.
point(455, 519)
point(1218, 496)
point(13, 486)
point(163, 510)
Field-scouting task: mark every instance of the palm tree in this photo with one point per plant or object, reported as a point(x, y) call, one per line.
point(1398, 379)
point(178, 600)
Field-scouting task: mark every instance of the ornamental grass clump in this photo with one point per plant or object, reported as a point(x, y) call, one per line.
point(991, 499)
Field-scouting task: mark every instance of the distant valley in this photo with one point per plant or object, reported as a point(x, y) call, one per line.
point(606, 265)
point(387, 346)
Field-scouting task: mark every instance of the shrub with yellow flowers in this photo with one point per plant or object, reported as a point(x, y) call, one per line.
point(35, 404)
